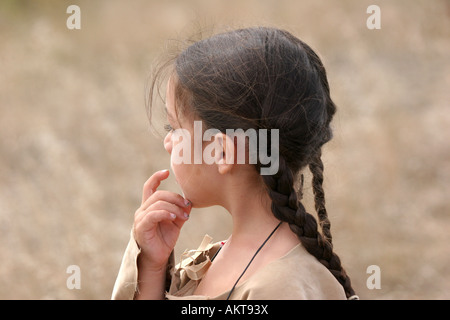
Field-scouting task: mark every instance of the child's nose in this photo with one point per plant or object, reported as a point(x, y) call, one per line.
point(168, 142)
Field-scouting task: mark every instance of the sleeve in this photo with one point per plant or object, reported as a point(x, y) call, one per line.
point(126, 283)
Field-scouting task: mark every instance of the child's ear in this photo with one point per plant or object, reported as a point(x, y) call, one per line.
point(225, 153)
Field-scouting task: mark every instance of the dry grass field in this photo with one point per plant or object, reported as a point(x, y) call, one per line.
point(76, 146)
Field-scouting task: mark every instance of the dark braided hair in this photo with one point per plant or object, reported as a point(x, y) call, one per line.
point(286, 207)
point(265, 78)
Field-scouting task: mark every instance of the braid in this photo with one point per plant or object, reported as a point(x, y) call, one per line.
point(316, 164)
point(316, 167)
point(286, 207)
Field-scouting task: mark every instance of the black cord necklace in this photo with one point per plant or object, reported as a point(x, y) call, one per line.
point(248, 265)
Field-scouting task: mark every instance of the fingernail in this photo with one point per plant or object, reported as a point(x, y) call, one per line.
point(187, 203)
point(173, 215)
point(165, 170)
point(186, 215)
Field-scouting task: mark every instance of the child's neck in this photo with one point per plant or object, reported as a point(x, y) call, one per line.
point(244, 196)
point(252, 218)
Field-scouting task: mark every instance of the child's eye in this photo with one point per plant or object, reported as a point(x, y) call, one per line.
point(168, 128)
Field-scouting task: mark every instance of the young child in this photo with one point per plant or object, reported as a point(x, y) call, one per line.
point(254, 80)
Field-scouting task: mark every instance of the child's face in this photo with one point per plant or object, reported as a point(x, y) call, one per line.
point(199, 182)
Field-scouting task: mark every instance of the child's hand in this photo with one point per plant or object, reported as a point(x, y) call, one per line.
point(158, 221)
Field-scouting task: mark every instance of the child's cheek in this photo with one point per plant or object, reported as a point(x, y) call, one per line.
point(174, 167)
point(178, 171)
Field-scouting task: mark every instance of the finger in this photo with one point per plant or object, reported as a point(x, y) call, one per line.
point(167, 196)
point(150, 220)
point(164, 200)
point(158, 216)
point(153, 182)
point(170, 207)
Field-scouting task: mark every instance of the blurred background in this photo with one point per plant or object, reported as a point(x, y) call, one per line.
point(76, 145)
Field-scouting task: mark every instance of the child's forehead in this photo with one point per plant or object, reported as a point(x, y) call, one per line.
point(175, 108)
point(170, 107)
point(175, 115)
point(169, 92)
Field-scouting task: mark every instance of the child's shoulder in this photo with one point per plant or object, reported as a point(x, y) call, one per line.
point(296, 275)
